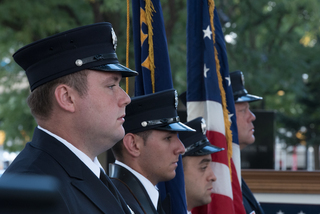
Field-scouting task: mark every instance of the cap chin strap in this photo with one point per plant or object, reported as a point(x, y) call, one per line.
point(160, 121)
point(80, 62)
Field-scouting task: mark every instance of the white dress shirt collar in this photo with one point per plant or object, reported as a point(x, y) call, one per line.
point(94, 166)
point(150, 188)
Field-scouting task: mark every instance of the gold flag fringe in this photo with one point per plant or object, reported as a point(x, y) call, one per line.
point(149, 9)
point(223, 93)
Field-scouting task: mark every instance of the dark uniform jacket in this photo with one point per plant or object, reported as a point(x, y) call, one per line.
point(132, 190)
point(249, 201)
point(81, 190)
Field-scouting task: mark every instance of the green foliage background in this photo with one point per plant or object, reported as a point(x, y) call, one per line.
point(274, 44)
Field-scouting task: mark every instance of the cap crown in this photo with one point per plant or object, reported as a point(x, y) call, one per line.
point(240, 94)
point(197, 143)
point(67, 52)
point(189, 138)
point(154, 111)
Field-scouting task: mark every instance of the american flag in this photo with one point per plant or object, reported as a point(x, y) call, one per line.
point(209, 94)
point(152, 63)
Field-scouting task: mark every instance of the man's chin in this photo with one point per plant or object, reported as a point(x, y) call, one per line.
point(170, 177)
point(208, 201)
point(244, 145)
point(250, 140)
point(119, 136)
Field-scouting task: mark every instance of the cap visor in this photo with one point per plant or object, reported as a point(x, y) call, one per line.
point(126, 72)
point(209, 149)
point(179, 127)
point(206, 150)
point(248, 98)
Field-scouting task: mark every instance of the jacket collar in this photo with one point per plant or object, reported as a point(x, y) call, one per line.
point(135, 186)
point(81, 176)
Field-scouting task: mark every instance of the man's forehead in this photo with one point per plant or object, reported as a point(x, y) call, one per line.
point(198, 160)
point(243, 104)
point(205, 159)
point(116, 76)
point(164, 132)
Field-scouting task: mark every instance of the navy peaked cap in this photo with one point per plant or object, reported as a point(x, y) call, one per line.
point(87, 47)
point(154, 111)
point(197, 143)
point(240, 94)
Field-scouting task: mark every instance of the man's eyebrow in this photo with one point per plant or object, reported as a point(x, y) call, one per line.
point(114, 78)
point(117, 78)
point(205, 160)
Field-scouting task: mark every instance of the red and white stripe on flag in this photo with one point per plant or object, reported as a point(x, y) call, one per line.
point(209, 95)
point(222, 193)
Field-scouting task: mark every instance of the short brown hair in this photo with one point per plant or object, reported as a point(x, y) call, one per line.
point(144, 135)
point(41, 99)
point(118, 147)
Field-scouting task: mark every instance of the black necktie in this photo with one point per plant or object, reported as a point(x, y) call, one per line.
point(107, 182)
point(160, 209)
point(104, 178)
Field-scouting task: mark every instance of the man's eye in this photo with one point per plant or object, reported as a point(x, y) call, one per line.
point(204, 168)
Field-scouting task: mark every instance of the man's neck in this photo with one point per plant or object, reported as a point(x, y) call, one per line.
point(189, 208)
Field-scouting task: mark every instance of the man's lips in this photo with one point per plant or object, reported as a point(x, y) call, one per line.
point(122, 117)
point(175, 162)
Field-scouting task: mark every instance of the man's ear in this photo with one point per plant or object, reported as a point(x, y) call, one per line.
point(131, 142)
point(65, 97)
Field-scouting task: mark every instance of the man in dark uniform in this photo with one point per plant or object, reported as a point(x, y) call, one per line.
point(197, 168)
point(79, 107)
point(245, 132)
point(149, 152)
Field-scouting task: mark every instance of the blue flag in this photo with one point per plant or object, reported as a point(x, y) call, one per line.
point(150, 48)
point(153, 65)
